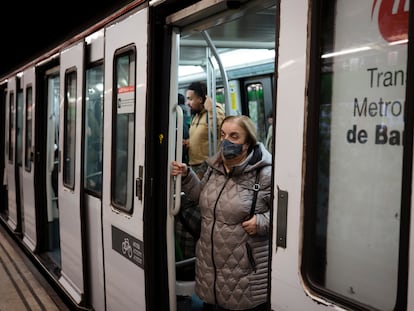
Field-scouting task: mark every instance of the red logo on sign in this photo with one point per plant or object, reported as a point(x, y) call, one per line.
point(392, 19)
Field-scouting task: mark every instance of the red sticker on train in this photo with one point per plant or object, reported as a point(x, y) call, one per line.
point(125, 89)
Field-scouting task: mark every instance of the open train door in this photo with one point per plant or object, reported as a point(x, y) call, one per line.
point(28, 207)
point(343, 232)
point(70, 207)
point(124, 161)
point(287, 287)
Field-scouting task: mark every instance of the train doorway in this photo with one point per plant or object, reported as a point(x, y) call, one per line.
point(235, 57)
point(52, 242)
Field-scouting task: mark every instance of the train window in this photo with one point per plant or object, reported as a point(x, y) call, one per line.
point(123, 132)
point(69, 132)
point(256, 108)
point(93, 130)
point(19, 128)
point(28, 135)
point(11, 127)
point(52, 139)
point(353, 197)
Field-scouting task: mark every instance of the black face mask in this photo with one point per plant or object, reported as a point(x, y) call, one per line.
point(231, 150)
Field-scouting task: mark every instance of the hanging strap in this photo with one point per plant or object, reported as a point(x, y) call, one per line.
point(256, 188)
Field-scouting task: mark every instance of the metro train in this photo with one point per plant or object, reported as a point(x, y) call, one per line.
point(89, 130)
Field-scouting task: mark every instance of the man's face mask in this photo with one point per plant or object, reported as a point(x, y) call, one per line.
point(231, 150)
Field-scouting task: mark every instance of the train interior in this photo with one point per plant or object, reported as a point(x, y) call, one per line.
point(232, 57)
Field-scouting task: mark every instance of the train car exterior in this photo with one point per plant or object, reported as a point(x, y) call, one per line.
point(89, 131)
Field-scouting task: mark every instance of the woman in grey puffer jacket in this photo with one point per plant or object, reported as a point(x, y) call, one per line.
point(232, 252)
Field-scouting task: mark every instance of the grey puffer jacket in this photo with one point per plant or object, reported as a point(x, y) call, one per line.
point(231, 265)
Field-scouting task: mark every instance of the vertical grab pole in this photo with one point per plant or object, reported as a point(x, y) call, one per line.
point(224, 78)
point(179, 158)
point(223, 72)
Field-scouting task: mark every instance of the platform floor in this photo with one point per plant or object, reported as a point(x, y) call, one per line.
point(22, 287)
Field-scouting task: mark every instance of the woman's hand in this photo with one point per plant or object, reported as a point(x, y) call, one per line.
point(178, 168)
point(250, 225)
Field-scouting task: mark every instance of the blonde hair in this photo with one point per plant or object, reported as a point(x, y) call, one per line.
point(247, 125)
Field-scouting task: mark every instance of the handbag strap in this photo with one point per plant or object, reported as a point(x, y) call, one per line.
point(256, 188)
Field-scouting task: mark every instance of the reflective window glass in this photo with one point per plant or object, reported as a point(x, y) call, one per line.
point(11, 127)
point(69, 144)
point(93, 129)
point(358, 183)
point(28, 158)
point(123, 133)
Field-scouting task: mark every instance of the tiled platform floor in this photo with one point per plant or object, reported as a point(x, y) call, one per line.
point(22, 287)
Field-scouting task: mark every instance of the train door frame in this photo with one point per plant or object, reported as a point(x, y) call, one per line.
point(91, 195)
point(173, 131)
point(123, 192)
point(191, 16)
point(71, 214)
point(19, 153)
point(11, 161)
point(46, 166)
point(28, 207)
point(3, 189)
